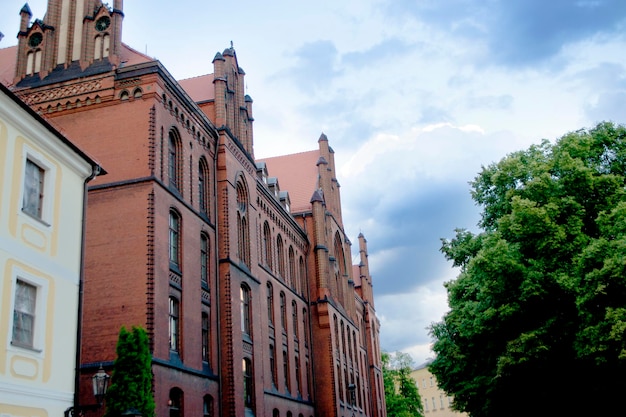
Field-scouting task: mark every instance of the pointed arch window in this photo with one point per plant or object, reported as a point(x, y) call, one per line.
point(292, 270)
point(267, 245)
point(174, 160)
point(280, 255)
point(204, 260)
point(243, 236)
point(270, 304)
point(203, 186)
point(283, 311)
point(294, 317)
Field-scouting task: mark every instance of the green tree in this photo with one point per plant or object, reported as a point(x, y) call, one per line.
point(537, 318)
point(132, 375)
point(401, 395)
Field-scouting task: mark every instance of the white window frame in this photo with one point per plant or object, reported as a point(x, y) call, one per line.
point(48, 185)
point(41, 307)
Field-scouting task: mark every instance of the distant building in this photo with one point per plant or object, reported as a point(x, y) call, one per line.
point(435, 401)
point(240, 270)
point(43, 180)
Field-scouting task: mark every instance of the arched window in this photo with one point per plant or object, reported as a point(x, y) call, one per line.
point(286, 370)
point(176, 402)
point(137, 93)
point(206, 334)
point(336, 332)
point(203, 186)
point(298, 375)
point(276, 413)
point(273, 365)
point(294, 319)
point(267, 245)
point(302, 276)
point(305, 325)
point(248, 383)
point(243, 241)
point(204, 260)
point(208, 410)
point(174, 240)
point(97, 51)
point(246, 312)
point(174, 324)
point(293, 279)
point(280, 254)
point(270, 304)
point(283, 311)
point(174, 160)
point(339, 379)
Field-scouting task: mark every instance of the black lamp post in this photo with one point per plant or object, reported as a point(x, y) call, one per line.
point(100, 383)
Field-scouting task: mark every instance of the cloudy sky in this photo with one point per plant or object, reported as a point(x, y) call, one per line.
point(414, 96)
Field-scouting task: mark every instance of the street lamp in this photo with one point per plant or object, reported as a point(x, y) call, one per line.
point(100, 383)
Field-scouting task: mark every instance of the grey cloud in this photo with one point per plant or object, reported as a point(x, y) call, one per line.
point(518, 32)
point(405, 244)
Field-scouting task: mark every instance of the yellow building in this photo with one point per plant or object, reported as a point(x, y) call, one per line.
point(43, 179)
point(435, 401)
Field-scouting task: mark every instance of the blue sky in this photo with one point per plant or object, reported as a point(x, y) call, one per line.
point(414, 97)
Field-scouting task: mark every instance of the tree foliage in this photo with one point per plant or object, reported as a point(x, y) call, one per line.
point(537, 318)
point(401, 394)
point(132, 375)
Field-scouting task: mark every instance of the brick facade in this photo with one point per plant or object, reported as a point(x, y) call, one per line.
point(184, 195)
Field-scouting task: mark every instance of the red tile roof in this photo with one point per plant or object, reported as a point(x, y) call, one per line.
point(130, 56)
point(298, 175)
point(200, 88)
point(8, 60)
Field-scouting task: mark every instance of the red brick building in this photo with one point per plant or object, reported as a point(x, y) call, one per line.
point(239, 269)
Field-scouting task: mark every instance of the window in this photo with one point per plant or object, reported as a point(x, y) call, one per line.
point(174, 251)
point(273, 365)
point(301, 277)
point(33, 189)
point(176, 402)
point(208, 406)
point(305, 325)
point(245, 310)
point(174, 160)
point(248, 383)
point(286, 370)
point(204, 260)
point(298, 375)
point(243, 237)
point(280, 254)
point(203, 186)
point(293, 279)
point(267, 245)
point(24, 314)
point(294, 317)
point(174, 323)
point(205, 337)
point(270, 304)
point(283, 311)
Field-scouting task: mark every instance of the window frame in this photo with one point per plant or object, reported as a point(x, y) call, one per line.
point(174, 323)
point(174, 240)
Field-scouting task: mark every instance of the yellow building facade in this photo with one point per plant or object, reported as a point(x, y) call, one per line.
point(434, 400)
point(42, 188)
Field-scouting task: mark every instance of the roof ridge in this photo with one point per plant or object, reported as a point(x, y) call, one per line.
point(195, 76)
point(286, 155)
